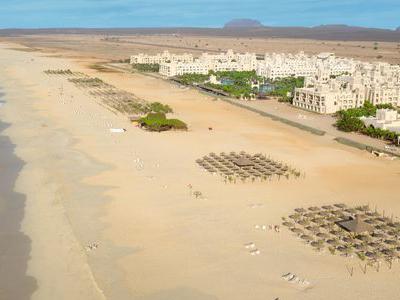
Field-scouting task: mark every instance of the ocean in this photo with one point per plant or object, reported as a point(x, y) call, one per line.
point(14, 245)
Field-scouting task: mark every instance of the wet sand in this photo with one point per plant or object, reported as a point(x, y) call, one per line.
point(15, 246)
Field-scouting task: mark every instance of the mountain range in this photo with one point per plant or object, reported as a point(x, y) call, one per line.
point(239, 28)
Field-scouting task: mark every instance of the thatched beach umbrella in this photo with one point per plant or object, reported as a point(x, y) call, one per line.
point(314, 208)
point(326, 226)
point(323, 213)
point(304, 222)
point(396, 225)
point(333, 242)
point(268, 173)
point(306, 237)
point(371, 221)
point(373, 244)
point(379, 235)
point(390, 242)
point(371, 255)
point(340, 205)
point(300, 210)
point(322, 235)
point(388, 252)
point(332, 219)
point(351, 210)
point(364, 237)
point(382, 226)
point(296, 230)
point(383, 220)
point(347, 239)
point(393, 233)
point(313, 229)
point(310, 215)
point(319, 244)
point(288, 224)
point(327, 207)
point(318, 221)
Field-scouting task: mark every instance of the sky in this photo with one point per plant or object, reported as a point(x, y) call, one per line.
point(196, 13)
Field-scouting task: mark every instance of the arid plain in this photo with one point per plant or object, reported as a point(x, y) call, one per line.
point(129, 194)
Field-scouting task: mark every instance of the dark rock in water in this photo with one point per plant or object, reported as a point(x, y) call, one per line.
point(243, 23)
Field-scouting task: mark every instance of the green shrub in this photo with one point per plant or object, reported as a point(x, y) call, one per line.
point(349, 121)
point(189, 79)
point(233, 90)
point(159, 122)
point(147, 67)
point(158, 107)
point(283, 86)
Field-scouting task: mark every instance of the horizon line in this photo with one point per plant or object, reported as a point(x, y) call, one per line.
point(196, 27)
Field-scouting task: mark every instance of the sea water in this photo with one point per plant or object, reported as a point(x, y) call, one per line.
point(15, 246)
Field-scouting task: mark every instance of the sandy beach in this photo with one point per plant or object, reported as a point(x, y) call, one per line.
point(111, 216)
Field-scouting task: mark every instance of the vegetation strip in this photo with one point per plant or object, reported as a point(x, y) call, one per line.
point(349, 121)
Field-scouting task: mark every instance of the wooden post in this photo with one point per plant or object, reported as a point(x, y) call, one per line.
point(350, 270)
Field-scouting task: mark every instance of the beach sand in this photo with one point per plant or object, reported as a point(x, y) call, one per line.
point(128, 193)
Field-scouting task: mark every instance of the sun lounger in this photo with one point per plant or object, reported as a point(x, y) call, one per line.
point(117, 130)
point(255, 252)
point(249, 245)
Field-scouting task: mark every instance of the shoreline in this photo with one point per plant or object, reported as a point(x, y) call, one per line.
point(45, 188)
point(15, 246)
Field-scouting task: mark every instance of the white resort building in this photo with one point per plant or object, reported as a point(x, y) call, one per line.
point(301, 65)
point(161, 58)
point(170, 69)
point(228, 61)
point(377, 83)
point(331, 83)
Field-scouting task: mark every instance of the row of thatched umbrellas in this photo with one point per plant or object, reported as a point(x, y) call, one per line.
point(114, 98)
point(243, 165)
point(66, 72)
point(318, 226)
point(90, 82)
point(121, 100)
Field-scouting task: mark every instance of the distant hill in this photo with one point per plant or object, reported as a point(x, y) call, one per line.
point(322, 32)
point(243, 23)
point(336, 26)
point(398, 28)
